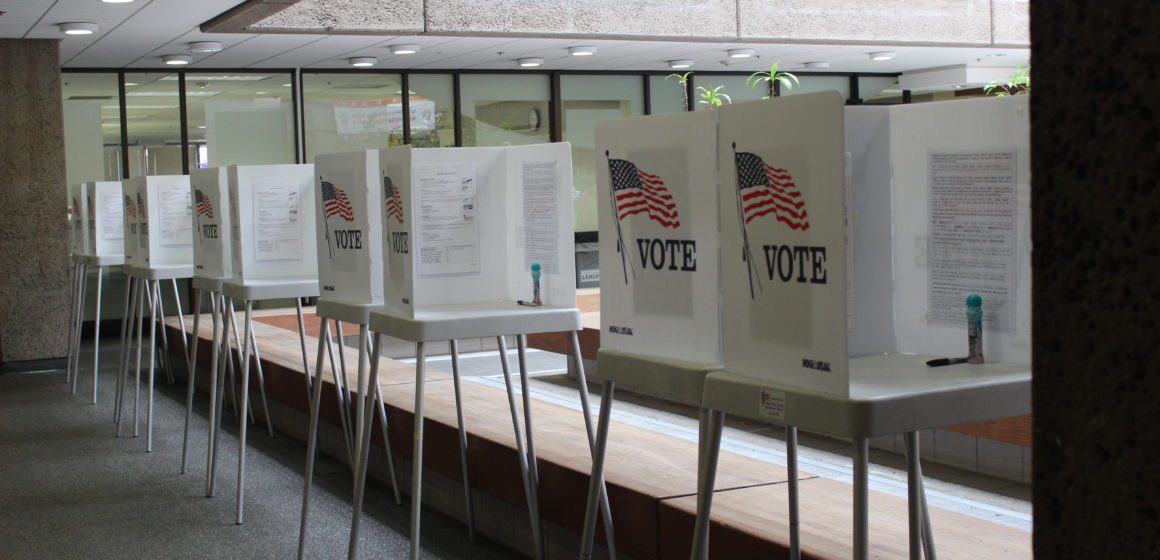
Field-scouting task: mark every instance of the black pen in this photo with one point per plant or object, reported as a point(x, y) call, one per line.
point(946, 362)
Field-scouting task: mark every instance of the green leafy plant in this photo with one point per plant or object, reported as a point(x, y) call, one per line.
point(713, 98)
point(774, 76)
point(683, 81)
point(1019, 83)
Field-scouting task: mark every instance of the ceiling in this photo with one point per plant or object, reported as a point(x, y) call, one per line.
point(137, 34)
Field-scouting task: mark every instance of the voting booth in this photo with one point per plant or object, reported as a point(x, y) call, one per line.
point(850, 238)
point(78, 235)
point(106, 233)
point(165, 227)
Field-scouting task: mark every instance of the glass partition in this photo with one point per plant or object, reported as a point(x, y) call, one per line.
point(813, 84)
point(249, 119)
point(432, 105)
point(666, 95)
point(153, 122)
point(732, 85)
point(92, 127)
point(585, 101)
point(504, 109)
point(348, 112)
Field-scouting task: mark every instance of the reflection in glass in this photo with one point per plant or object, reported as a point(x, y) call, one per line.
point(666, 95)
point(586, 100)
point(153, 118)
point(432, 105)
point(249, 119)
point(503, 109)
point(92, 127)
point(349, 112)
point(732, 85)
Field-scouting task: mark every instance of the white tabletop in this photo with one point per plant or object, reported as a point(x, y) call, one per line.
point(475, 320)
point(257, 290)
point(164, 272)
point(105, 260)
point(889, 394)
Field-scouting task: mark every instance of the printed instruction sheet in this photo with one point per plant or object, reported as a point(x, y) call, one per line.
point(448, 218)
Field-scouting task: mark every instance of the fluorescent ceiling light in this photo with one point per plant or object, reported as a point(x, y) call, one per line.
point(817, 65)
point(189, 93)
point(882, 55)
point(216, 78)
point(205, 47)
point(117, 108)
point(362, 61)
point(581, 51)
point(78, 28)
point(679, 64)
point(403, 49)
point(530, 62)
point(741, 53)
point(177, 59)
point(116, 1)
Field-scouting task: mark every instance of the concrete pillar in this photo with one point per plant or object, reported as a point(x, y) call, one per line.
point(1095, 128)
point(33, 230)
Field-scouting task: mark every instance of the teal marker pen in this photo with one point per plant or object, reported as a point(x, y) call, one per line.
point(535, 288)
point(974, 329)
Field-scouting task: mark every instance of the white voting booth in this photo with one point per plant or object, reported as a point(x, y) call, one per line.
point(158, 247)
point(78, 233)
point(659, 305)
point(851, 237)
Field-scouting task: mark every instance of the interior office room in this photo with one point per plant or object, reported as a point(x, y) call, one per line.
point(638, 279)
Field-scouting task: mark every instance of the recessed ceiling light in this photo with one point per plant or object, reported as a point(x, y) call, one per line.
point(741, 53)
point(882, 55)
point(261, 92)
point(205, 46)
point(177, 59)
point(581, 51)
point(216, 78)
point(128, 84)
point(362, 61)
point(679, 64)
point(817, 65)
point(202, 126)
point(530, 62)
point(285, 85)
point(78, 28)
point(403, 49)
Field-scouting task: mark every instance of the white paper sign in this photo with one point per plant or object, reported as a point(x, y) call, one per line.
point(771, 404)
point(176, 215)
point(972, 236)
point(540, 215)
point(277, 217)
point(112, 219)
point(448, 220)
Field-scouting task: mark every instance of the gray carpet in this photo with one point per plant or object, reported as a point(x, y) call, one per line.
point(69, 489)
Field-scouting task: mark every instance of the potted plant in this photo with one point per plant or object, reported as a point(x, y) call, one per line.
point(775, 76)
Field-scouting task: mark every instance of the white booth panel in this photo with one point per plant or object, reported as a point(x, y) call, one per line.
point(212, 223)
point(349, 227)
point(274, 235)
point(106, 218)
point(165, 221)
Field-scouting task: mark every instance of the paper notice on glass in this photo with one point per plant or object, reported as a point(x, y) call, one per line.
point(277, 221)
point(448, 219)
point(176, 210)
point(972, 236)
point(541, 218)
point(112, 220)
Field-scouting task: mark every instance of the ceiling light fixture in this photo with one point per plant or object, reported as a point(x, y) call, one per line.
point(530, 62)
point(403, 49)
point(78, 28)
point(362, 61)
point(679, 64)
point(205, 47)
point(882, 55)
point(817, 65)
point(741, 53)
point(116, 1)
point(581, 51)
point(177, 59)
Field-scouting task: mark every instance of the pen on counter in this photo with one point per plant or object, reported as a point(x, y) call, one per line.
point(945, 362)
point(536, 302)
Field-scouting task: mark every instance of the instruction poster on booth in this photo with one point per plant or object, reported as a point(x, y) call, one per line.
point(176, 211)
point(112, 220)
point(540, 215)
point(972, 236)
point(277, 221)
point(448, 220)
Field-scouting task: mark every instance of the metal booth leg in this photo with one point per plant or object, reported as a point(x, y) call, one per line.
point(605, 509)
point(127, 349)
point(213, 391)
point(311, 436)
point(916, 500)
point(143, 296)
point(464, 464)
point(97, 334)
point(382, 407)
point(154, 310)
point(712, 445)
point(533, 510)
point(596, 482)
point(181, 323)
point(72, 318)
point(244, 372)
point(417, 463)
point(861, 499)
point(363, 428)
point(190, 380)
point(244, 366)
point(533, 467)
point(791, 458)
point(121, 358)
point(76, 355)
point(340, 392)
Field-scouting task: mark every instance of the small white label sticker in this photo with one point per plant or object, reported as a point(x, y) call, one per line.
point(592, 275)
point(772, 404)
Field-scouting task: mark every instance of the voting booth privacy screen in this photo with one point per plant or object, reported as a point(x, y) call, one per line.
point(656, 177)
point(78, 227)
point(212, 214)
point(272, 221)
point(465, 225)
point(348, 226)
point(104, 218)
point(164, 218)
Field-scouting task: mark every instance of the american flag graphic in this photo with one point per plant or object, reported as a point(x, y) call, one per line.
point(394, 201)
point(335, 203)
point(141, 209)
point(130, 208)
point(202, 204)
point(766, 189)
point(639, 192)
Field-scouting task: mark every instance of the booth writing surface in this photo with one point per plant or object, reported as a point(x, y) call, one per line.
point(782, 204)
point(656, 182)
point(212, 223)
point(348, 226)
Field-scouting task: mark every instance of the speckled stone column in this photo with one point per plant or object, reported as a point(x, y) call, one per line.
point(1095, 199)
point(33, 232)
